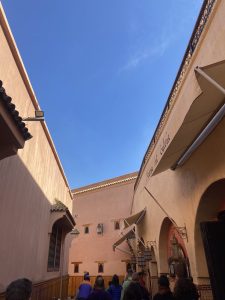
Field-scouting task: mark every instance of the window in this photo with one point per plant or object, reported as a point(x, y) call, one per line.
point(117, 225)
point(55, 248)
point(76, 268)
point(86, 229)
point(100, 268)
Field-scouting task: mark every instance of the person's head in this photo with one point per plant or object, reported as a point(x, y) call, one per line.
point(86, 277)
point(181, 270)
point(19, 289)
point(99, 283)
point(115, 280)
point(163, 281)
point(141, 274)
point(185, 289)
point(135, 277)
point(133, 292)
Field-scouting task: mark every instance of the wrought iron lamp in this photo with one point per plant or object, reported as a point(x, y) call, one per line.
point(39, 116)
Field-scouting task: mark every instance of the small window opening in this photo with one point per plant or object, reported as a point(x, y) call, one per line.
point(76, 268)
point(86, 229)
point(116, 225)
point(100, 268)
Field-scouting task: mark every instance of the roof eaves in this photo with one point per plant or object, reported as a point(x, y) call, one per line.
point(11, 108)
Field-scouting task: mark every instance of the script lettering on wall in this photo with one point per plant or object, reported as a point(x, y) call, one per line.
point(162, 148)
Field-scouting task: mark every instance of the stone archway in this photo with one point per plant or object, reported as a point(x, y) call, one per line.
point(211, 204)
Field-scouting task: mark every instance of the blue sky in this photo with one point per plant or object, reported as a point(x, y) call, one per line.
point(102, 71)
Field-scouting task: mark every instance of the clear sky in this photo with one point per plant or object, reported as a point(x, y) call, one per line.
point(102, 71)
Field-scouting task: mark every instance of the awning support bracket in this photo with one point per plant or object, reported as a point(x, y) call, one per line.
point(152, 244)
point(135, 233)
point(210, 79)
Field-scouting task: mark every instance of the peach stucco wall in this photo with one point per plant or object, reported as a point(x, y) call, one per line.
point(30, 181)
point(103, 205)
point(179, 192)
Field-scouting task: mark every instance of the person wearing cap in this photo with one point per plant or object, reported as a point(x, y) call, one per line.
point(85, 288)
point(164, 292)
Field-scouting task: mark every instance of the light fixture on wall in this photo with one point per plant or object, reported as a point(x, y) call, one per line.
point(75, 232)
point(99, 229)
point(39, 116)
point(152, 244)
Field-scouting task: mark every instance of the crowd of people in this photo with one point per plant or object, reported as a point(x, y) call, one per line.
point(132, 288)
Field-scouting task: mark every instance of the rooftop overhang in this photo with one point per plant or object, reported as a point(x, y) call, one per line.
point(61, 214)
point(204, 114)
point(13, 130)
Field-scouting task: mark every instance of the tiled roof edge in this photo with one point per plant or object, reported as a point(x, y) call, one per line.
point(104, 185)
point(11, 108)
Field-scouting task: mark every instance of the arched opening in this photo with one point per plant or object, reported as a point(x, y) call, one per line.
point(172, 251)
point(210, 238)
point(55, 245)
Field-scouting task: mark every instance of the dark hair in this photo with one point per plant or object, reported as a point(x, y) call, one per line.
point(185, 289)
point(115, 280)
point(135, 277)
point(86, 276)
point(99, 282)
point(19, 289)
point(141, 273)
point(163, 281)
point(133, 292)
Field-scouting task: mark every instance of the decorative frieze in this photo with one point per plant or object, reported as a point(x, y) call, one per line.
point(202, 20)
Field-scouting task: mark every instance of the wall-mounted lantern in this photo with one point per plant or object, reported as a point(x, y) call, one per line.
point(75, 232)
point(39, 116)
point(99, 229)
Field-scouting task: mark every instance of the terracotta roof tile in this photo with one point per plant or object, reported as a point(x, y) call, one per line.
point(7, 101)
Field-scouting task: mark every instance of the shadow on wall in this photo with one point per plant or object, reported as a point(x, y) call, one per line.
point(24, 224)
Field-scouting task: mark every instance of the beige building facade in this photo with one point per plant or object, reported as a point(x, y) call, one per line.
point(182, 178)
point(36, 202)
point(99, 210)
